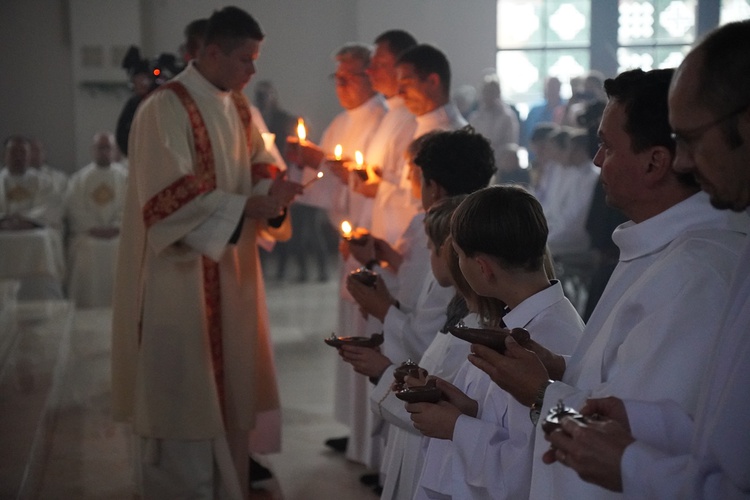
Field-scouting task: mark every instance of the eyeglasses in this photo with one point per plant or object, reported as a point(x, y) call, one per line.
point(688, 138)
point(347, 79)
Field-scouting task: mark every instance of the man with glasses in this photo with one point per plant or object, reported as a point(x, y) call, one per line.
point(656, 450)
point(353, 129)
point(648, 335)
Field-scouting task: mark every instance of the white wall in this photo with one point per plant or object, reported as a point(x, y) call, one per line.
point(296, 55)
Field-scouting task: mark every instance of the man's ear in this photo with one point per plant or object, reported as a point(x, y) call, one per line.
point(659, 165)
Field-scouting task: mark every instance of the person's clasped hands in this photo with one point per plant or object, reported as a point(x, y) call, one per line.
point(438, 420)
point(594, 447)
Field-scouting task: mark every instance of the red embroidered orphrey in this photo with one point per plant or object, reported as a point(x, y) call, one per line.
point(182, 191)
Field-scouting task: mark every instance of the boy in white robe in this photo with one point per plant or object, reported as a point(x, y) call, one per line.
point(481, 440)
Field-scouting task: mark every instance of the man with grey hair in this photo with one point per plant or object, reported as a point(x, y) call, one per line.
point(352, 129)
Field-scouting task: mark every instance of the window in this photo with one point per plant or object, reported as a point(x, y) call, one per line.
point(540, 38)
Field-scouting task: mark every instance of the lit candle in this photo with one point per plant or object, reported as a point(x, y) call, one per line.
point(360, 170)
point(301, 132)
point(346, 229)
point(337, 151)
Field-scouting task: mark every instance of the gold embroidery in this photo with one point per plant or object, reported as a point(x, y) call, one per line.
point(103, 195)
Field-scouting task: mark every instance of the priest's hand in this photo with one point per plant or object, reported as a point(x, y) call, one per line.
point(285, 191)
point(365, 360)
point(593, 449)
point(263, 207)
point(519, 371)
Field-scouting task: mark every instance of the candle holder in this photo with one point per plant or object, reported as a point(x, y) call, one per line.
point(494, 339)
point(365, 276)
point(428, 393)
point(372, 341)
point(556, 414)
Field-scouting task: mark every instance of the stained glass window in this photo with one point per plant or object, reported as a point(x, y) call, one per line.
point(537, 38)
point(654, 34)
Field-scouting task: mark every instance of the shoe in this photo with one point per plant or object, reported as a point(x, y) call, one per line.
point(369, 479)
point(258, 472)
point(338, 444)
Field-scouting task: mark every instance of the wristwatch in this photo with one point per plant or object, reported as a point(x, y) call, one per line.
point(536, 408)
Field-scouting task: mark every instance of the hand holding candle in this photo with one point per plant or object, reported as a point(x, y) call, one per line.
point(301, 151)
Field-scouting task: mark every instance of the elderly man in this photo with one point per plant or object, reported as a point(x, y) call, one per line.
point(656, 450)
point(94, 205)
point(192, 362)
point(648, 336)
point(353, 129)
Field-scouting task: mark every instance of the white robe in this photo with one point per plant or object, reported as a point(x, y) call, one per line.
point(676, 457)
point(650, 332)
point(490, 456)
point(403, 455)
point(168, 392)
point(387, 150)
point(352, 129)
point(95, 199)
point(446, 117)
point(499, 124)
point(567, 205)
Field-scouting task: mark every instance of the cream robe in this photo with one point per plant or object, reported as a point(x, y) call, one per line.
point(165, 383)
point(31, 195)
point(95, 198)
point(650, 332)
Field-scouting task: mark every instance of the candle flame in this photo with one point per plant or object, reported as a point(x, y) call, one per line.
point(359, 159)
point(320, 174)
point(346, 228)
point(301, 132)
point(337, 151)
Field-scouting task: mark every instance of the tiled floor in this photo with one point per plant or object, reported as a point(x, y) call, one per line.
point(89, 454)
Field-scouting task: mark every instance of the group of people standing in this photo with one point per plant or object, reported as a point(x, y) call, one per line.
point(76, 219)
point(192, 364)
